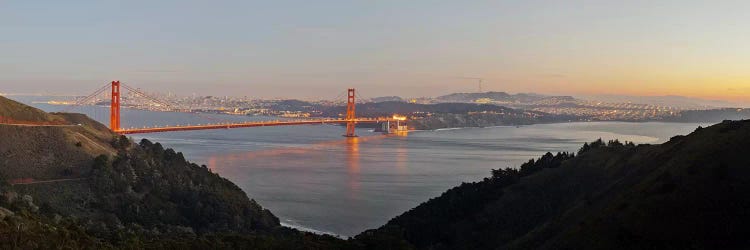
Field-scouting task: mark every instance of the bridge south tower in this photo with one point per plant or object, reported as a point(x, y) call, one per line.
point(350, 116)
point(114, 108)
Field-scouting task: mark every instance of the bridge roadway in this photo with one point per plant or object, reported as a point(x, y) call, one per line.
point(246, 125)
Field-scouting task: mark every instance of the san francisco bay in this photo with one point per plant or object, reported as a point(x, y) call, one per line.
point(314, 179)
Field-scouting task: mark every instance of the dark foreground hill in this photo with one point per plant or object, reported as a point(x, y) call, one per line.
point(688, 193)
point(78, 185)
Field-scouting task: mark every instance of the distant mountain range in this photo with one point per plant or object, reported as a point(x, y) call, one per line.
point(681, 102)
point(387, 99)
point(502, 97)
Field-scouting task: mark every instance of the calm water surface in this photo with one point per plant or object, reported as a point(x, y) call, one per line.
point(313, 178)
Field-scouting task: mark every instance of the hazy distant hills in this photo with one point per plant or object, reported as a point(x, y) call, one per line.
point(688, 193)
point(501, 97)
point(681, 102)
point(387, 99)
point(667, 100)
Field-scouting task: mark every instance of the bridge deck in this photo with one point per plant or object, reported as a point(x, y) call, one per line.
point(243, 125)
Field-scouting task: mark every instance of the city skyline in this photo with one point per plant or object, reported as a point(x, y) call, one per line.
point(307, 50)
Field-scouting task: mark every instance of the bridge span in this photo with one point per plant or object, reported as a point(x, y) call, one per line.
point(245, 125)
point(350, 119)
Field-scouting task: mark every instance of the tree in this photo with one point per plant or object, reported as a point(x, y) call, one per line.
point(583, 149)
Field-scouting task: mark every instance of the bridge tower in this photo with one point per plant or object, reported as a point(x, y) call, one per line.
point(114, 110)
point(350, 117)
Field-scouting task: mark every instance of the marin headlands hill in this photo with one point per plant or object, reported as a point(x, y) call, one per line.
point(377, 125)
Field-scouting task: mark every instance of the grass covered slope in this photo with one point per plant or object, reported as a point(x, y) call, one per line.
point(21, 112)
point(44, 151)
point(690, 192)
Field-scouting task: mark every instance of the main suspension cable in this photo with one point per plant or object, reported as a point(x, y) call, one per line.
point(173, 108)
point(85, 99)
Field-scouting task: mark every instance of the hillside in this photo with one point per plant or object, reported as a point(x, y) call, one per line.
point(20, 112)
point(688, 193)
point(81, 186)
point(58, 148)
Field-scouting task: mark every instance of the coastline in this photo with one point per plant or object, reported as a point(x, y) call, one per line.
point(311, 230)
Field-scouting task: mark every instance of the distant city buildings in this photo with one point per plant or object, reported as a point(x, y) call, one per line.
point(535, 105)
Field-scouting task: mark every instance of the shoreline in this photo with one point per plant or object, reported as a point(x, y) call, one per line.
point(312, 230)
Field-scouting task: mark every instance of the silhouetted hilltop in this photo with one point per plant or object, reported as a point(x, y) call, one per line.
point(688, 193)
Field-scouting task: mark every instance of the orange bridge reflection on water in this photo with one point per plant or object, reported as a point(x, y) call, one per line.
point(319, 151)
point(352, 162)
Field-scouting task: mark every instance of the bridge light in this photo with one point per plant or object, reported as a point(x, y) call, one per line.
point(399, 117)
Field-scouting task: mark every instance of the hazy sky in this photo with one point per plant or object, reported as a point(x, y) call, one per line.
point(307, 49)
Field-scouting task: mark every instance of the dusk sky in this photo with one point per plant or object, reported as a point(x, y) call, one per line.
point(315, 49)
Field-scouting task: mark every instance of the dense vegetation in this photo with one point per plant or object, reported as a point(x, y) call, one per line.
point(688, 193)
point(144, 197)
point(443, 222)
point(152, 186)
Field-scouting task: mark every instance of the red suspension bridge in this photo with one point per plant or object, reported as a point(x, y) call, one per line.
point(350, 120)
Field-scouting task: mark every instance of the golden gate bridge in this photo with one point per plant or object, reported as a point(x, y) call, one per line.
point(388, 124)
